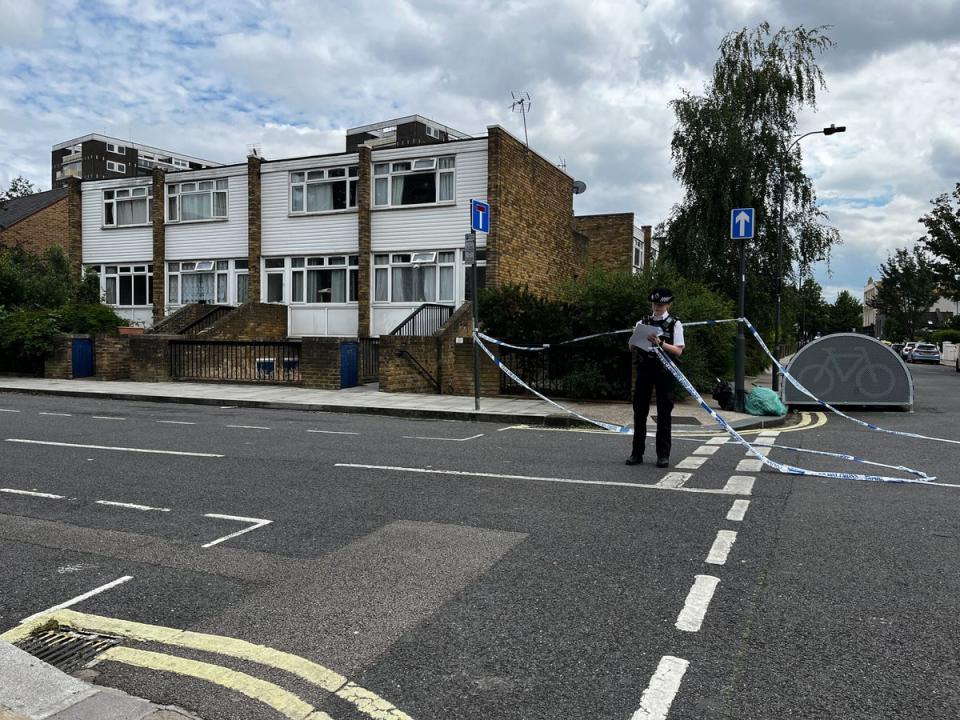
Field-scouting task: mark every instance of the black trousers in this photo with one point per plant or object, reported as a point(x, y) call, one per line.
point(652, 374)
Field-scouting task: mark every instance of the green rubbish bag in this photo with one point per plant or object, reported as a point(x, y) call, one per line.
point(764, 401)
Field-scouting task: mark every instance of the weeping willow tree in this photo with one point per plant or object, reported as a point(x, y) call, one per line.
point(729, 148)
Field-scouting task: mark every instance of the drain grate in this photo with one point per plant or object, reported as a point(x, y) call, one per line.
point(66, 650)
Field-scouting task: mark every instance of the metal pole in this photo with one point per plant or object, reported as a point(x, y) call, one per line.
point(776, 331)
point(739, 359)
point(476, 327)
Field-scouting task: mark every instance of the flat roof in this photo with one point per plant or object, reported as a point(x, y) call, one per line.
point(374, 128)
point(138, 146)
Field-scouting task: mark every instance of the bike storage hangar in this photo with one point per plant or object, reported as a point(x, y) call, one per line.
point(849, 369)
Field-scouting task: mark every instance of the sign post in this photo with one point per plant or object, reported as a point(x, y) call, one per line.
point(479, 222)
point(741, 228)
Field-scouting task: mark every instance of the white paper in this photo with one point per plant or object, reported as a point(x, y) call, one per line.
point(641, 332)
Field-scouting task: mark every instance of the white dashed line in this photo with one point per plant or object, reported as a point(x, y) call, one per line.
point(108, 447)
point(698, 600)
point(657, 698)
point(765, 440)
point(691, 462)
point(257, 523)
point(416, 437)
point(738, 510)
point(16, 411)
point(106, 417)
point(673, 480)
point(751, 465)
point(333, 432)
point(249, 427)
point(739, 485)
point(56, 414)
point(31, 493)
point(759, 451)
point(721, 547)
point(176, 422)
point(718, 440)
point(706, 450)
point(79, 598)
point(131, 506)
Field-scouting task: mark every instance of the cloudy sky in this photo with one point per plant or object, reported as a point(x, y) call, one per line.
point(211, 78)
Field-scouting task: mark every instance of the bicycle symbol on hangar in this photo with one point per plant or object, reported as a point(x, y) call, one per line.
point(872, 379)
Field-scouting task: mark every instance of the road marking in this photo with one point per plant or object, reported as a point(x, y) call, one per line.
point(31, 493)
point(249, 427)
point(333, 432)
point(722, 440)
point(415, 437)
point(106, 417)
point(740, 485)
point(706, 450)
point(498, 476)
point(78, 598)
point(109, 447)
point(769, 433)
point(56, 414)
point(364, 700)
point(257, 523)
point(176, 422)
point(283, 701)
point(16, 411)
point(657, 698)
point(721, 547)
point(751, 465)
point(738, 510)
point(673, 480)
point(132, 506)
point(698, 600)
point(762, 450)
point(765, 440)
point(691, 462)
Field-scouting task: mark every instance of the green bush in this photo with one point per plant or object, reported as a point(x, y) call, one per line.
point(941, 336)
point(88, 319)
point(28, 333)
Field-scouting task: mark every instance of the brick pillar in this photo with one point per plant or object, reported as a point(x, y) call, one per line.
point(159, 244)
point(254, 237)
point(494, 150)
point(75, 225)
point(364, 286)
point(647, 245)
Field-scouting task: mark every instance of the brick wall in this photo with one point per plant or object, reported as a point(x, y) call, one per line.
point(460, 325)
point(320, 362)
point(609, 240)
point(175, 323)
point(74, 246)
point(41, 231)
point(112, 357)
point(59, 362)
point(150, 357)
point(254, 235)
point(159, 245)
point(252, 321)
point(531, 237)
point(398, 373)
point(463, 371)
point(363, 231)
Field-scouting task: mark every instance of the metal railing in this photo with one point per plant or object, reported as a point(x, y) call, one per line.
point(202, 323)
point(424, 373)
point(425, 320)
point(235, 361)
point(369, 359)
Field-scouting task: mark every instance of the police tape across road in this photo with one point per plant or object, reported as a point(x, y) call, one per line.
point(724, 425)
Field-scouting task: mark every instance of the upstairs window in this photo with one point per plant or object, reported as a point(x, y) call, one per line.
point(116, 167)
point(118, 149)
point(316, 191)
point(197, 200)
point(125, 207)
point(424, 181)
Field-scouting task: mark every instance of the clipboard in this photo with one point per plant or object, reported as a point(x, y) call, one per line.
point(639, 338)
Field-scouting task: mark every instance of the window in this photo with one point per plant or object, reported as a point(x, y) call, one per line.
point(116, 167)
point(414, 277)
point(275, 270)
point(330, 279)
point(127, 206)
point(242, 281)
point(414, 182)
point(178, 163)
point(198, 200)
point(118, 149)
point(315, 191)
point(201, 281)
point(126, 285)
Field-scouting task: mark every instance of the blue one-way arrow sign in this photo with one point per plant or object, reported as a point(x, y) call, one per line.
point(741, 223)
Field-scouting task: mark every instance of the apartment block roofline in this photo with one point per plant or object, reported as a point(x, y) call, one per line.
point(539, 155)
point(377, 127)
point(131, 143)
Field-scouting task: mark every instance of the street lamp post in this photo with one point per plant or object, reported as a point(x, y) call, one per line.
point(783, 191)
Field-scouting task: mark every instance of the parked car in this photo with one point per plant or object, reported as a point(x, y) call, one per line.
point(924, 352)
point(897, 348)
point(905, 352)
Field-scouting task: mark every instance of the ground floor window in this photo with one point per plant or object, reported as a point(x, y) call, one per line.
point(206, 281)
point(414, 277)
point(327, 279)
point(125, 285)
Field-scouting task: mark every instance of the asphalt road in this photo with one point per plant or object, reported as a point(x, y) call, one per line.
point(471, 570)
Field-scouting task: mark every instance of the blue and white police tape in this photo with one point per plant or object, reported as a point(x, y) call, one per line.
point(621, 429)
point(779, 467)
point(823, 403)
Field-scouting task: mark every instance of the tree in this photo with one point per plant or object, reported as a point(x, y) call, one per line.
point(728, 148)
point(846, 313)
point(19, 187)
point(907, 289)
point(814, 312)
point(943, 240)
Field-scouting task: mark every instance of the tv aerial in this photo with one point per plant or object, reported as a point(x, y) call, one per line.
point(521, 104)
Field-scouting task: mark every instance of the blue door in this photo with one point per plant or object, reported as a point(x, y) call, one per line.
point(349, 367)
point(82, 360)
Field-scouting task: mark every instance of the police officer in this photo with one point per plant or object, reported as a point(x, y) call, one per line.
point(652, 374)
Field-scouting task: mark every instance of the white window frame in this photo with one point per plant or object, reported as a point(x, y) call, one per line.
point(116, 149)
point(276, 269)
point(116, 166)
point(385, 172)
point(301, 180)
point(301, 266)
point(437, 258)
point(173, 211)
point(224, 279)
point(112, 197)
point(112, 278)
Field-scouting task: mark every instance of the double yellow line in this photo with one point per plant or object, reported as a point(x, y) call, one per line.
point(288, 704)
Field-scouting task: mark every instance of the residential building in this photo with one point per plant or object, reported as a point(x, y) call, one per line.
point(936, 316)
point(353, 242)
point(43, 220)
point(100, 157)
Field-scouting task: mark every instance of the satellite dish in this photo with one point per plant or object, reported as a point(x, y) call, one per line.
point(579, 186)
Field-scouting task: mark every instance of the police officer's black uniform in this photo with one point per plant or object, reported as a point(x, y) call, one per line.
point(652, 374)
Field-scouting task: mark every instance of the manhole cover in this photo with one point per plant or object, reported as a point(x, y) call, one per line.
point(66, 650)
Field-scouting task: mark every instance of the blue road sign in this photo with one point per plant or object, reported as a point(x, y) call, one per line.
point(741, 223)
point(479, 216)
